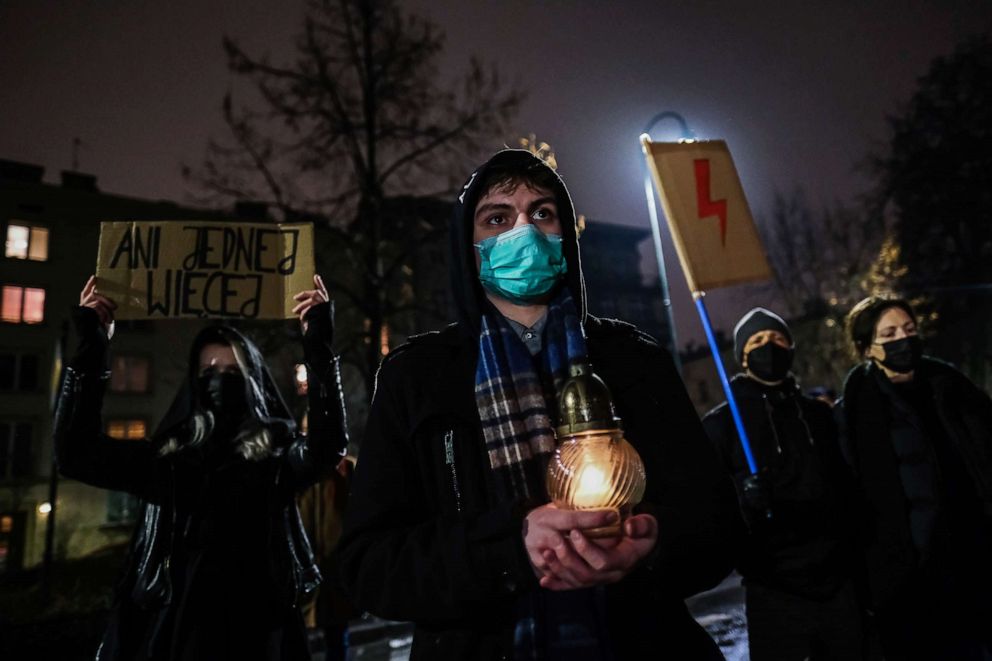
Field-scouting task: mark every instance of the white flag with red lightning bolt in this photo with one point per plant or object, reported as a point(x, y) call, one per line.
point(708, 215)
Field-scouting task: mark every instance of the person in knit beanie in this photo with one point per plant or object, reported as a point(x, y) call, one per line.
point(796, 556)
point(766, 332)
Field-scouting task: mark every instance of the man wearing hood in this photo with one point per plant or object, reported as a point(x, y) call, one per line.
point(449, 524)
point(219, 563)
point(797, 557)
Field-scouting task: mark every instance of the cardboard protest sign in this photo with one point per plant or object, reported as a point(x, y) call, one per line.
point(175, 269)
point(707, 212)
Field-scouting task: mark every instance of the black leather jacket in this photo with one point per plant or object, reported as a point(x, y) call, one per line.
point(169, 477)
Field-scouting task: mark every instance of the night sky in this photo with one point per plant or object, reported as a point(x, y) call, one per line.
point(800, 90)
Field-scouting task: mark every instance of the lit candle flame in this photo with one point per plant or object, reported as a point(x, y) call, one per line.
point(593, 487)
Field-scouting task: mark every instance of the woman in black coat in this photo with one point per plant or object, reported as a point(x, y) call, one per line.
point(219, 563)
point(918, 435)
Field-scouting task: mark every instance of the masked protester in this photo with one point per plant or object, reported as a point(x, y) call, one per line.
point(797, 556)
point(918, 434)
point(449, 523)
point(219, 563)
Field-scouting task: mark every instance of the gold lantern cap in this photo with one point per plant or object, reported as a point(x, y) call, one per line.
point(585, 404)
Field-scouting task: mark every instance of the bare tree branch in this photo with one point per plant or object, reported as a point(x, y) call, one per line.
point(346, 133)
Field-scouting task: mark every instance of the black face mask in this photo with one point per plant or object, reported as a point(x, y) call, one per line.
point(902, 355)
point(769, 362)
point(223, 394)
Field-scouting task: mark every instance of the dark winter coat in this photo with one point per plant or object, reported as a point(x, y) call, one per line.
point(426, 540)
point(957, 432)
point(805, 547)
point(219, 561)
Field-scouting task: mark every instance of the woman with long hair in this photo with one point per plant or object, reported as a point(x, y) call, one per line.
point(219, 562)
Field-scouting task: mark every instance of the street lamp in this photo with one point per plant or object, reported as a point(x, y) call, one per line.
point(666, 299)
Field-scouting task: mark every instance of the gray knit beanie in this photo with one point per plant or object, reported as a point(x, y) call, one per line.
point(755, 321)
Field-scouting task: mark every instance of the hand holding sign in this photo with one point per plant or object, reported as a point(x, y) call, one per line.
point(103, 306)
point(309, 298)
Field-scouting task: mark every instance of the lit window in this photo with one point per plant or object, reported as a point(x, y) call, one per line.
point(38, 250)
point(18, 238)
point(11, 306)
point(25, 242)
point(34, 305)
point(126, 430)
point(22, 305)
point(129, 374)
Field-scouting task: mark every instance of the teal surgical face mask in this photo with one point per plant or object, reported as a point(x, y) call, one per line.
point(521, 265)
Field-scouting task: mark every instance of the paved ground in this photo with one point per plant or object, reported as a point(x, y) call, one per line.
point(720, 611)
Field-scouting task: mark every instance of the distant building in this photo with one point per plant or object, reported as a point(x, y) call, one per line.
point(616, 285)
point(699, 372)
point(51, 234)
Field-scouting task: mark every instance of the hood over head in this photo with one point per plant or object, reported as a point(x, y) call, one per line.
point(467, 292)
point(266, 406)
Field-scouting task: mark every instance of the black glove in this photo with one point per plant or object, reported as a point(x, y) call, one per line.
point(91, 355)
point(317, 341)
point(756, 497)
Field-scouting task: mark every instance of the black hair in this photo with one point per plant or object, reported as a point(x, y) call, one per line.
point(864, 316)
point(506, 176)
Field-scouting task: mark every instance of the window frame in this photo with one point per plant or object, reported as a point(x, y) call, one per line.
point(24, 289)
point(148, 376)
point(31, 228)
point(127, 422)
point(19, 355)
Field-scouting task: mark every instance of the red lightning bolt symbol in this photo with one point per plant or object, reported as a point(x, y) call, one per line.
point(707, 206)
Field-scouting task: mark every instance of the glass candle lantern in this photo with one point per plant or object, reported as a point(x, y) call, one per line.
point(594, 467)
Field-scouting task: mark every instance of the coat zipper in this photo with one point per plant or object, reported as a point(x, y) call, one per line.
point(449, 459)
point(771, 421)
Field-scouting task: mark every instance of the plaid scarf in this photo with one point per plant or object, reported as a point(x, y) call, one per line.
point(518, 431)
point(511, 399)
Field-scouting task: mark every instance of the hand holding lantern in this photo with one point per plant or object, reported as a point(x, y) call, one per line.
point(594, 467)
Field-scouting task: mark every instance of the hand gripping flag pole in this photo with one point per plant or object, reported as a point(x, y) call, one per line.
point(714, 233)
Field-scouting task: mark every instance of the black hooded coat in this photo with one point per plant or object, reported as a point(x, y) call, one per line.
point(426, 540)
point(807, 546)
point(219, 562)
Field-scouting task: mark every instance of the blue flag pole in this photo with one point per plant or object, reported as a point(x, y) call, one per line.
point(704, 316)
